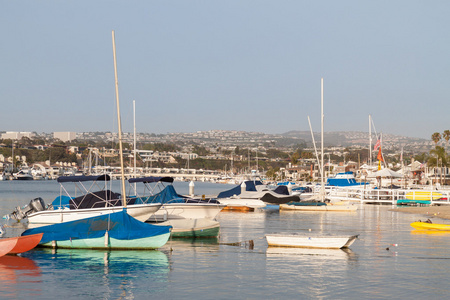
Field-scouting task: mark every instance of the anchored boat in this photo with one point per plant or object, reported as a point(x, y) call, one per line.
point(310, 241)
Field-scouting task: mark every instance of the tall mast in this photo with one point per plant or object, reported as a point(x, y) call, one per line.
point(134, 130)
point(322, 188)
point(119, 125)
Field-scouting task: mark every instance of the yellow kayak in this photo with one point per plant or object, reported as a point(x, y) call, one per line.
point(430, 226)
point(423, 195)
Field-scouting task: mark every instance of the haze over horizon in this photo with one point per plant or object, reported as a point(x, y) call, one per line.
point(246, 65)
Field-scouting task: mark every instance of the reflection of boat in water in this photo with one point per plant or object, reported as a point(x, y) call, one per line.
point(186, 244)
point(344, 253)
point(122, 261)
point(430, 232)
point(15, 269)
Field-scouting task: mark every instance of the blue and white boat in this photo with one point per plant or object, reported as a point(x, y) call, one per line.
point(110, 231)
point(343, 179)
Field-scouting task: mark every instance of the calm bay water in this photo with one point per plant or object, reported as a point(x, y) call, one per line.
point(373, 268)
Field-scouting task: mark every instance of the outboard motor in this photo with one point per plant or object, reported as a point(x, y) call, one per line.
point(35, 205)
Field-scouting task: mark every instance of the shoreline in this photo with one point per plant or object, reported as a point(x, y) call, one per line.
point(442, 212)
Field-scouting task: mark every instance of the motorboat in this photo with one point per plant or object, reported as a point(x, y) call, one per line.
point(174, 206)
point(68, 207)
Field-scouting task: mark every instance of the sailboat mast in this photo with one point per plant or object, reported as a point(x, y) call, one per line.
point(321, 164)
point(134, 140)
point(119, 125)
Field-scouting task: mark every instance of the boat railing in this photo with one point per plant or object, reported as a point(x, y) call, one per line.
point(388, 196)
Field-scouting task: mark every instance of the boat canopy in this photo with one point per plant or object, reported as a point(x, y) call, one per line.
point(104, 177)
point(167, 195)
point(249, 187)
point(119, 225)
point(151, 179)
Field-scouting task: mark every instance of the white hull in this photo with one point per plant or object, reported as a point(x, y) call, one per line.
point(305, 241)
point(329, 207)
point(243, 202)
point(178, 211)
point(140, 212)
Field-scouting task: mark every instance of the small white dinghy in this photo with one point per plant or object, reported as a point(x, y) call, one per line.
point(310, 241)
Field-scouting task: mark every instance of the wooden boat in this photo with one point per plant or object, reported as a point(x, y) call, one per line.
point(310, 241)
point(111, 231)
point(24, 243)
point(6, 245)
point(423, 195)
point(430, 226)
point(318, 206)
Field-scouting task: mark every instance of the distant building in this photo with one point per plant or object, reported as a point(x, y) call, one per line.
point(65, 136)
point(14, 135)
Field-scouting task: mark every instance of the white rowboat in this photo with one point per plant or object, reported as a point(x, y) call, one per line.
point(310, 241)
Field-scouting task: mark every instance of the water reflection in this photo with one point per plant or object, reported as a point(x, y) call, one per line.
point(14, 271)
point(105, 274)
point(309, 253)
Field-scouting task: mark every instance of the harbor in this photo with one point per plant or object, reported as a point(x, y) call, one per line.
point(387, 251)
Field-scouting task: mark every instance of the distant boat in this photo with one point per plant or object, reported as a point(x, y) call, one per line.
point(343, 179)
point(319, 206)
point(110, 231)
point(310, 241)
point(23, 175)
point(254, 194)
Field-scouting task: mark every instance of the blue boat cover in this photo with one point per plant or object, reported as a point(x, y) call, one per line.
point(167, 195)
point(250, 187)
point(61, 202)
point(119, 225)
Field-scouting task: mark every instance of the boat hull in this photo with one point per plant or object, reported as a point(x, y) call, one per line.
point(105, 242)
point(141, 212)
point(110, 231)
point(193, 228)
point(6, 245)
point(236, 203)
point(430, 226)
point(328, 207)
point(304, 241)
point(26, 243)
point(174, 211)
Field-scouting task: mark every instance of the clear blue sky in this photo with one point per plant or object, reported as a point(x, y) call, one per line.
point(231, 65)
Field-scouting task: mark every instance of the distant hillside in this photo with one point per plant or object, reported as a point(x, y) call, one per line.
point(349, 138)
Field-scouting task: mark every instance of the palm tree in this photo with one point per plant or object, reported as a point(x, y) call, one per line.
point(437, 154)
point(446, 135)
point(436, 137)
